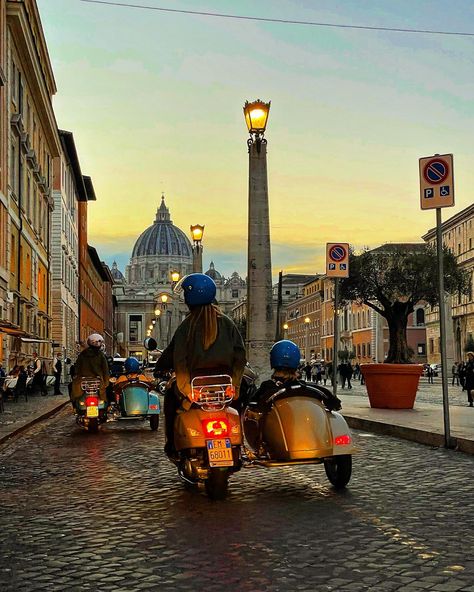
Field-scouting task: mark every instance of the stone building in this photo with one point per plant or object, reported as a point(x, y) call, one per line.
point(29, 143)
point(68, 190)
point(458, 236)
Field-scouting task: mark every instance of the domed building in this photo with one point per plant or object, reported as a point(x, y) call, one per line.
point(145, 294)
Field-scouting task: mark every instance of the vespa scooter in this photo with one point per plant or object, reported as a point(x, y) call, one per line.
point(294, 427)
point(208, 436)
point(136, 400)
point(90, 409)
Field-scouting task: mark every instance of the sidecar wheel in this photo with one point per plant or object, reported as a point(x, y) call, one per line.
point(154, 422)
point(217, 484)
point(339, 470)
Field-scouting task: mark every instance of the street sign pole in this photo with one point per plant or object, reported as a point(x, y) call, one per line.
point(442, 328)
point(336, 336)
point(437, 191)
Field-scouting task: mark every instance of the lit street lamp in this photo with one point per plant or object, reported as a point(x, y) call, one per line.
point(285, 331)
point(196, 234)
point(259, 263)
point(307, 321)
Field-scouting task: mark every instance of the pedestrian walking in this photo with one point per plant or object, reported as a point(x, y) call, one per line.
point(324, 374)
point(469, 378)
point(307, 372)
point(429, 374)
point(20, 386)
point(462, 374)
point(455, 372)
point(345, 371)
point(57, 371)
point(38, 384)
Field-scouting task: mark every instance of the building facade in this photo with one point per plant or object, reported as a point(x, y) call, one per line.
point(32, 142)
point(458, 236)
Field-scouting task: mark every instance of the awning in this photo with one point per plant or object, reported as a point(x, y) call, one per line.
point(11, 329)
point(33, 340)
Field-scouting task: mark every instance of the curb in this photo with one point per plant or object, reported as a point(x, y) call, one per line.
point(26, 426)
point(406, 433)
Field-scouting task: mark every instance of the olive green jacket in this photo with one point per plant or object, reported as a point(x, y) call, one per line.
point(226, 354)
point(90, 363)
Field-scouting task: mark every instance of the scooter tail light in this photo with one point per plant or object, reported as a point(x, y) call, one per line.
point(215, 428)
point(343, 440)
point(92, 401)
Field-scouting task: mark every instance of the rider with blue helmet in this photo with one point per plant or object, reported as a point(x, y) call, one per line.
point(206, 341)
point(284, 359)
point(132, 372)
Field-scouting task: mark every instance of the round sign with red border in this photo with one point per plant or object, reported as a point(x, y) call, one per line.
point(337, 253)
point(436, 171)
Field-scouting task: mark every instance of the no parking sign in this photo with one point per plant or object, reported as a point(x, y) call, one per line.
point(337, 260)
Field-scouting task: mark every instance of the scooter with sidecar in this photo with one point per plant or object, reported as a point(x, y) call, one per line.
point(294, 427)
point(135, 399)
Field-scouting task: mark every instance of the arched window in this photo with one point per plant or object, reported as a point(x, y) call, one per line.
point(420, 316)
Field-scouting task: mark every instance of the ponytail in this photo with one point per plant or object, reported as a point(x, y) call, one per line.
point(205, 317)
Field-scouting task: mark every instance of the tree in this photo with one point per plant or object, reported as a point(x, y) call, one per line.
point(393, 278)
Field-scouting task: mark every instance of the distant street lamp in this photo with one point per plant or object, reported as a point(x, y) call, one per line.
point(164, 298)
point(259, 262)
point(285, 331)
point(307, 321)
point(157, 312)
point(196, 233)
point(175, 277)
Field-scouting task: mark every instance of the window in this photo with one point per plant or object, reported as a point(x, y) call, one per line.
point(420, 317)
point(421, 348)
point(135, 328)
point(235, 293)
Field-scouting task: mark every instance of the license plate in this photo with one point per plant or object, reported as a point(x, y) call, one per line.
point(92, 411)
point(220, 453)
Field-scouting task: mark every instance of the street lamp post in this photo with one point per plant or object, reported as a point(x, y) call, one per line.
point(307, 321)
point(196, 233)
point(285, 331)
point(259, 263)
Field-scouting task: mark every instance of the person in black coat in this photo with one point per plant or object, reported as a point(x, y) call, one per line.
point(20, 387)
point(469, 378)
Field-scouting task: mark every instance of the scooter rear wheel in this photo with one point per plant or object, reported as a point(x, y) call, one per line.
point(339, 470)
point(217, 483)
point(154, 422)
point(93, 425)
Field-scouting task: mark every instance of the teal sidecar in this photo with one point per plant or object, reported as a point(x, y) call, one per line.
point(137, 400)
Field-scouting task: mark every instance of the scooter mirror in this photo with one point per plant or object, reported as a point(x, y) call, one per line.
point(150, 344)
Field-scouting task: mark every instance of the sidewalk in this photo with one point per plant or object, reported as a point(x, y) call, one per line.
point(424, 423)
point(23, 414)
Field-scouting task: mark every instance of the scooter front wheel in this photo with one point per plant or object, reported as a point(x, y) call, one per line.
point(339, 470)
point(217, 483)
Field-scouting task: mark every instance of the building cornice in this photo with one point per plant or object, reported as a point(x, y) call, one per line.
point(17, 20)
point(451, 222)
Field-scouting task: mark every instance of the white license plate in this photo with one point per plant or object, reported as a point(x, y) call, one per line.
point(92, 411)
point(220, 452)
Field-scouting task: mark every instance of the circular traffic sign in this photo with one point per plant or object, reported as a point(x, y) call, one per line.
point(435, 171)
point(337, 253)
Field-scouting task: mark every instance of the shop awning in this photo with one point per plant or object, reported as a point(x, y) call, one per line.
point(33, 340)
point(11, 329)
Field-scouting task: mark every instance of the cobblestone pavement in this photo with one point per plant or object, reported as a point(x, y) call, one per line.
point(106, 512)
point(427, 393)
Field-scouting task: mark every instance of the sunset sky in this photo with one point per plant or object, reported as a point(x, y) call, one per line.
point(155, 104)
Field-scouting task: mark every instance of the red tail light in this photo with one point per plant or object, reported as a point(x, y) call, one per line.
point(215, 428)
point(344, 440)
point(92, 401)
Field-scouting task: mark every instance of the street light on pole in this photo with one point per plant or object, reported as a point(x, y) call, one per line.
point(259, 263)
point(285, 331)
point(197, 230)
point(307, 321)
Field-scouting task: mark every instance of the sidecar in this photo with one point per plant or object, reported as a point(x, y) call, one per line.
point(295, 428)
point(136, 400)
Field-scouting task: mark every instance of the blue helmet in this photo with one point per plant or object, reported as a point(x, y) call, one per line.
point(198, 289)
point(131, 365)
point(285, 354)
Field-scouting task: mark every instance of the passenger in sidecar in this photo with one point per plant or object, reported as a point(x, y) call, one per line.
point(284, 360)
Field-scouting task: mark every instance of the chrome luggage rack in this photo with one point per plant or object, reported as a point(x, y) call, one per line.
point(90, 385)
point(212, 392)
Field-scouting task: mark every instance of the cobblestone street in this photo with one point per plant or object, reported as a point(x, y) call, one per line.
point(107, 512)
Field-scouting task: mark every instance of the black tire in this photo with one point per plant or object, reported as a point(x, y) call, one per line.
point(339, 470)
point(93, 425)
point(154, 422)
point(217, 484)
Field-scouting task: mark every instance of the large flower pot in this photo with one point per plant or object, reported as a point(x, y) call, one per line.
point(392, 386)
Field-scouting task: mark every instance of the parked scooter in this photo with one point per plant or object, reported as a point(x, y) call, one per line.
point(90, 409)
point(208, 437)
point(293, 427)
point(136, 400)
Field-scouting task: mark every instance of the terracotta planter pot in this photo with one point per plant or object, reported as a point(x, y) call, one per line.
point(392, 386)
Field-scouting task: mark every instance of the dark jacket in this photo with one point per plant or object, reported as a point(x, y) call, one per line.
point(226, 354)
point(469, 376)
point(90, 363)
